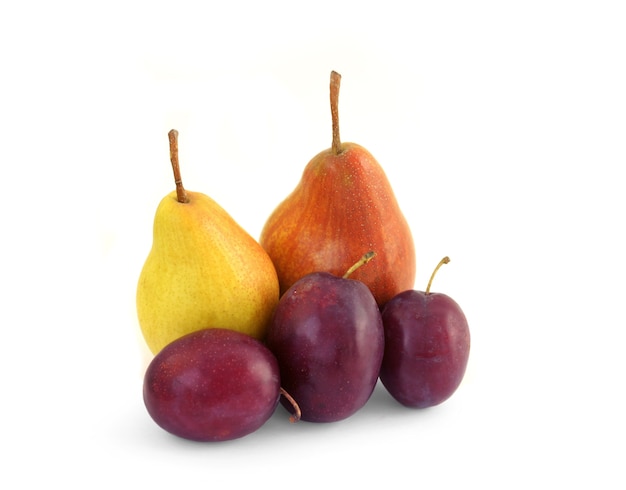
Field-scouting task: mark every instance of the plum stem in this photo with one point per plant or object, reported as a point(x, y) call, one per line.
point(181, 193)
point(335, 82)
point(297, 412)
point(445, 260)
point(363, 260)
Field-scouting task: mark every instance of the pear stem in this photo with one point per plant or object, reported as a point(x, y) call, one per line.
point(297, 412)
point(335, 81)
point(181, 194)
point(363, 260)
point(445, 260)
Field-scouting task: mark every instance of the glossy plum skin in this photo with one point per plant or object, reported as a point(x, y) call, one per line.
point(427, 345)
point(328, 337)
point(212, 385)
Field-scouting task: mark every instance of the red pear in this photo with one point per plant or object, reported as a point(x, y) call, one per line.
point(343, 204)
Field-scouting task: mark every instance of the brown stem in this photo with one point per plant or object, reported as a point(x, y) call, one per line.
point(181, 194)
point(335, 81)
point(445, 260)
point(363, 260)
point(296, 408)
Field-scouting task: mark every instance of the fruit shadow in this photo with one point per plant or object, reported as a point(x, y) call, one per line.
point(379, 408)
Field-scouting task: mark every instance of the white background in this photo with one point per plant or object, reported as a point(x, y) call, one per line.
point(501, 126)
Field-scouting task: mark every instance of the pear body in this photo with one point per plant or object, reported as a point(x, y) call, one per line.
point(342, 207)
point(203, 270)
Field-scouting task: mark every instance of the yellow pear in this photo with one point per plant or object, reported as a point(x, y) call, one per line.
point(203, 270)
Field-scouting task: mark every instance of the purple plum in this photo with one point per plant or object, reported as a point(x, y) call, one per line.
point(427, 345)
point(212, 385)
point(327, 335)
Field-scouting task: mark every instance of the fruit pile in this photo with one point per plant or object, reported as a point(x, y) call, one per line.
point(310, 316)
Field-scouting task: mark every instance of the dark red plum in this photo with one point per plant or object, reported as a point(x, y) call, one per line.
point(327, 335)
point(212, 385)
point(427, 345)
